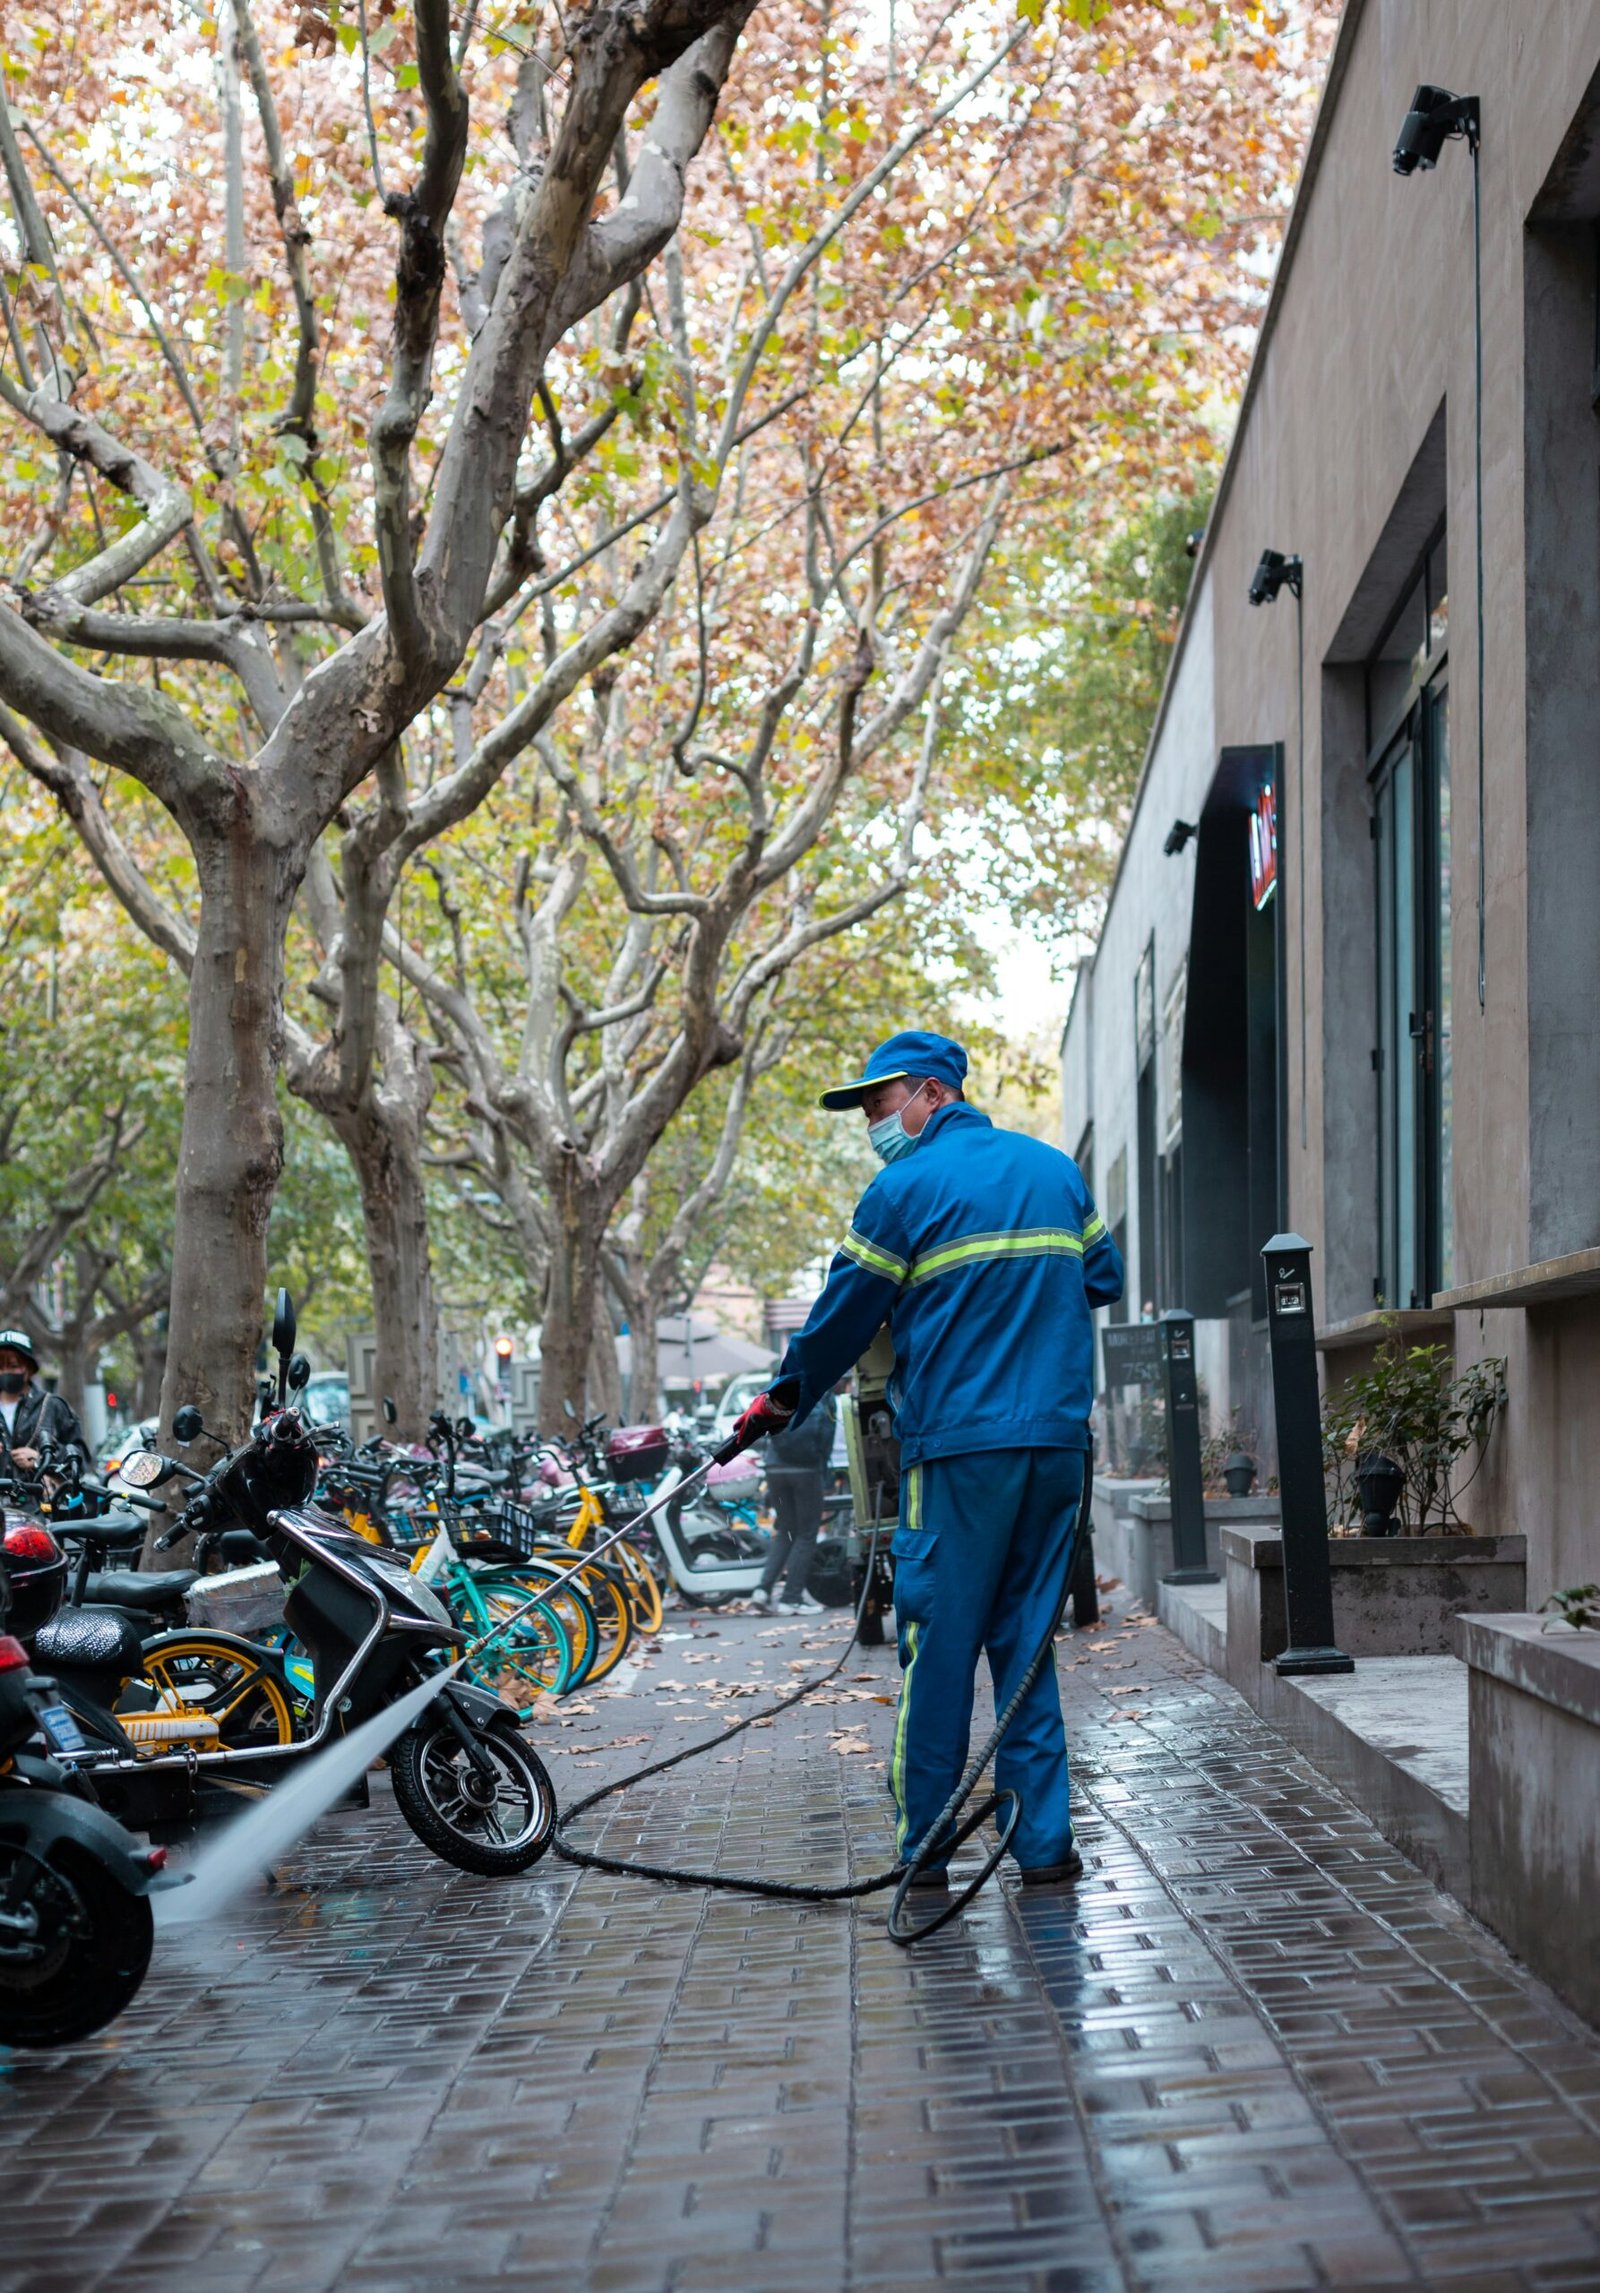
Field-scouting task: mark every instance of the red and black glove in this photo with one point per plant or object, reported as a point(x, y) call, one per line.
point(770, 1412)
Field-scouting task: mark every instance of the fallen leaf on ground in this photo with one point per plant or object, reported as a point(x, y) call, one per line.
point(1131, 1688)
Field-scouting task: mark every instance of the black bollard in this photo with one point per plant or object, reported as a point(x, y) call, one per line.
point(1307, 1579)
point(1184, 1480)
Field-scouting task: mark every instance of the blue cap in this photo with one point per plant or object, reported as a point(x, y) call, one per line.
point(912, 1056)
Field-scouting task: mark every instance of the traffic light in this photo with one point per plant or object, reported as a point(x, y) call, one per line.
point(503, 1350)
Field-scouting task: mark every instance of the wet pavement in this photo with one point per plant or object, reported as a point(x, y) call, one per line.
point(1255, 2048)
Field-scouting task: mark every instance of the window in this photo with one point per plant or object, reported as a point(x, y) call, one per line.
point(1408, 707)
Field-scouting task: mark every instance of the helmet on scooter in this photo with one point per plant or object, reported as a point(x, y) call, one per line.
point(36, 1570)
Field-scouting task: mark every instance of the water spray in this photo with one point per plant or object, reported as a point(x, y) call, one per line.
point(272, 1827)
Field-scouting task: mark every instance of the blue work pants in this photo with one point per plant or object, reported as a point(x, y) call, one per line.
point(982, 1555)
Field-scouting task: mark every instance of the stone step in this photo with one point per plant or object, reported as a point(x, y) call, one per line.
point(1392, 1734)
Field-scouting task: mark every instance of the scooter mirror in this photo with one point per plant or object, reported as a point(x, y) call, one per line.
point(391, 1415)
point(283, 1324)
point(299, 1372)
point(465, 1428)
point(188, 1425)
point(145, 1469)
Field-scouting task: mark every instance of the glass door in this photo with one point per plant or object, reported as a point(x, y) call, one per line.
point(1411, 836)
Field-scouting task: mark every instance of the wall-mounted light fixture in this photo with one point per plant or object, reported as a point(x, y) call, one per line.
point(1177, 836)
point(1437, 117)
point(1276, 571)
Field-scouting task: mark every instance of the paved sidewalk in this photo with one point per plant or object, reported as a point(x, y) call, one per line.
point(1255, 2049)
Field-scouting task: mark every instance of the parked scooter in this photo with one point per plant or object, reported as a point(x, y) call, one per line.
point(710, 1558)
point(75, 1922)
point(463, 1778)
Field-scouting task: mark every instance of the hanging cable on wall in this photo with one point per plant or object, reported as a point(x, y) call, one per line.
point(1437, 117)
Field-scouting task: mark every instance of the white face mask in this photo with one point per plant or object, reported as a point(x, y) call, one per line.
point(888, 1138)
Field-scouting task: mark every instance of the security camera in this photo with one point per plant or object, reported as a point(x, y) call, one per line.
point(1274, 572)
point(1177, 836)
point(1435, 116)
point(1192, 541)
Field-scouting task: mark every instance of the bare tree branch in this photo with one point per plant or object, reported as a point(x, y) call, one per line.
point(165, 504)
point(419, 282)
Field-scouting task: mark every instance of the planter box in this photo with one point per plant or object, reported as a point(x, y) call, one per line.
point(1534, 1706)
point(1110, 1514)
point(1392, 1596)
point(1148, 1537)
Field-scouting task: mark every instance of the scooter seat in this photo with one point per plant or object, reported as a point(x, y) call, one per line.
point(87, 1639)
point(127, 1588)
point(121, 1525)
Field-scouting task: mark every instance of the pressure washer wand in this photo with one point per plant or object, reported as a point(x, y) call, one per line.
point(733, 1447)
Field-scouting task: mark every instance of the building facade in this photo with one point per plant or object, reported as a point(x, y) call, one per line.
point(1349, 979)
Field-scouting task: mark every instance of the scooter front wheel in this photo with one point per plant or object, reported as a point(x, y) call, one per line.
point(494, 1823)
point(74, 1949)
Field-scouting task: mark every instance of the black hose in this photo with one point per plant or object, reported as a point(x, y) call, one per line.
point(937, 1840)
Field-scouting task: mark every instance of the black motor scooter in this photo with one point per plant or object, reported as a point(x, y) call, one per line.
point(75, 1922)
point(463, 1778)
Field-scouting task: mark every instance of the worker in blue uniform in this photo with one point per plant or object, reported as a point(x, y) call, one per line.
point(983, 1251)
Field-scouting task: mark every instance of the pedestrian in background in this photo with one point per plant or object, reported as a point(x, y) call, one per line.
point(30, 1414)
point(797, 1466)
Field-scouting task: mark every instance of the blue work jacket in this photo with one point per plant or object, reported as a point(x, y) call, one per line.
point(984, 1253)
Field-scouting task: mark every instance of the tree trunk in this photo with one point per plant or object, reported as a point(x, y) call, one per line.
point(151, 1341)
point(383, 1138)
point(567, 1340)
point(74, 1351)
point(644, 1352)
point(232, 1145)
point(605, 1379)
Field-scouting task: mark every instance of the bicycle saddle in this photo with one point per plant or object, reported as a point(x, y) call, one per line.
point(127, 1588)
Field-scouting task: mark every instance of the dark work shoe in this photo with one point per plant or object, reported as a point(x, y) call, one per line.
point(1055, 1874)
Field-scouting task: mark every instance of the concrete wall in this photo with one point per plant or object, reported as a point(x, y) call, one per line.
point(1153, 895)
point(1357, 432)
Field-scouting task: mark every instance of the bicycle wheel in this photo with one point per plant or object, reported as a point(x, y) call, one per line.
point(190, 1682)
point(570, 1605)
point(536, 1650)
point(644, 1593)
point(607, 1596)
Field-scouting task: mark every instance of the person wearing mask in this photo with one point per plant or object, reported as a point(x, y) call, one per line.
point(797, 1464)
point(983, 1251)
point(30, 1415)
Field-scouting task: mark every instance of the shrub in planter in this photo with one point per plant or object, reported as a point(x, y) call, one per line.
point(1410, 1409)
point(1228, 1458)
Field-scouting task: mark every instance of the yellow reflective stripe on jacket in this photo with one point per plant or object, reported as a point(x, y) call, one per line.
point(974, 1249)
point(1094, 1230)
point(873, 1257)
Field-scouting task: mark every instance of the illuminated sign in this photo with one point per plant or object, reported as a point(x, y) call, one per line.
point(1264, 846)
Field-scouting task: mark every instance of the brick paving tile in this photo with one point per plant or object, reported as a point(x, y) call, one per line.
point(1255, 2051)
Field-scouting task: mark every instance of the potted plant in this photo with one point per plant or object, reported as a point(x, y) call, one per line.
point(1395, 1438)
point(1226, 1457)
